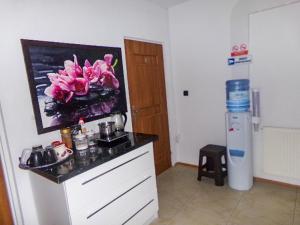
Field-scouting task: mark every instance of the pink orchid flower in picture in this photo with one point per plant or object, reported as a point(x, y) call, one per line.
point(91, 72)
point(72, 68)
point(58, 93)
point(75, 80)
point(81, 86)
point(106, 65)
point(109, 80)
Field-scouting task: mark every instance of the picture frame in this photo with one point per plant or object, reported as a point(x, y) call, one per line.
point(72, 81)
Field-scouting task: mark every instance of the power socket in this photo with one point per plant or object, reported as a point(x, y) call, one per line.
point(185, 93)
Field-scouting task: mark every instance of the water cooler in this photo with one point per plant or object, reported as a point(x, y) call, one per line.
point(239, 135)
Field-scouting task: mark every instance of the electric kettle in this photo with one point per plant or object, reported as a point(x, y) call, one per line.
point(120, 122)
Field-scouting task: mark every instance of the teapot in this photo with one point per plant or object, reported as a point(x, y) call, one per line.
point(120, 123)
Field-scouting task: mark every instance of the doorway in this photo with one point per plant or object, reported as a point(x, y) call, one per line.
point(5, 213)
point(274, 42)
point(147, 92)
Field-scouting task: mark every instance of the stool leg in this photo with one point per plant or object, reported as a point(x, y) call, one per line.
point(219, 178)
point(210, 164)
point(225, 165)
point(200, 166)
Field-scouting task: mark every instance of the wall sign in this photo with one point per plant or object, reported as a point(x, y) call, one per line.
point(239, 60)
point(239, 54)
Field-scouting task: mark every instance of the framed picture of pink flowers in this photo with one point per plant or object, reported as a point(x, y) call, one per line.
point(71, 81)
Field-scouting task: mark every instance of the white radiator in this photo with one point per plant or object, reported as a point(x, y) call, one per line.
point(281, 152)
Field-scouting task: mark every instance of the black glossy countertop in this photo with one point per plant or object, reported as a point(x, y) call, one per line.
point(74, 167)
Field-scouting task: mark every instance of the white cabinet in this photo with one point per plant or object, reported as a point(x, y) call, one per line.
point(121, 191)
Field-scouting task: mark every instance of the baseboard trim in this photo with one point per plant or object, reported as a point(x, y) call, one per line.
point(186, 164)
point(278, 183)
point(257, 179)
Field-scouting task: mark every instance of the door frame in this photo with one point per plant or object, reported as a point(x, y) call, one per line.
point(9, 174)
point(174, 133)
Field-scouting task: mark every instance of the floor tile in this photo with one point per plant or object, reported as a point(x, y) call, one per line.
point(297, 219)
point(272, 197)
point(183, 200)
point(203, 216)
point(161, 221)
point(251, 212)
point(265, 204)
point(298, 199)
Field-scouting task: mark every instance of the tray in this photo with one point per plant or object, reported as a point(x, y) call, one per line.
point(116, 136)
point(26, 167)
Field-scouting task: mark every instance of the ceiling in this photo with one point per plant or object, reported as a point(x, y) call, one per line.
point(167, 3)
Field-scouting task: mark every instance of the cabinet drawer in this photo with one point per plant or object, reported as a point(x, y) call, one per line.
point(123, 209)
point(143, 214)
point(98, 186)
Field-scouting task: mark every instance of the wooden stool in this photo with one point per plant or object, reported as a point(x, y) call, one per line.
point(213, 167)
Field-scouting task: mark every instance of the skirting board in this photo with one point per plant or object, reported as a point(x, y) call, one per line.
point(256, 179)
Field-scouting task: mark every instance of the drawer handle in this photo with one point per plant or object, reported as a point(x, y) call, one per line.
point(84, 183)
point(138, 212)
point(98, 210)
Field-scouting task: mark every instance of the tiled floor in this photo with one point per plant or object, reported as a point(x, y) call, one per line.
point(185, 201)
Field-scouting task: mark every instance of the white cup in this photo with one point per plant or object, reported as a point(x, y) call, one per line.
point(62, 152)
point(25, 156)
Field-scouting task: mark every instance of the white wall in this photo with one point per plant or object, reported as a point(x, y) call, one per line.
point(274, 42)
point(91, 22)
point(240, 25)
point(200, 40)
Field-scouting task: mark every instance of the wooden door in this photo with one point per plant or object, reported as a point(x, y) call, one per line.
point(5, 214)
point(147, 92)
